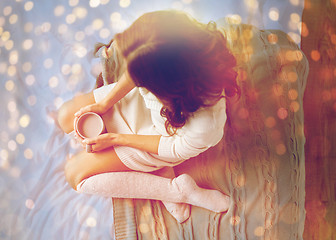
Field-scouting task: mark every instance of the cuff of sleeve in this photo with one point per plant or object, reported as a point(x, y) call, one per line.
point(100, 93)
point(164, 149)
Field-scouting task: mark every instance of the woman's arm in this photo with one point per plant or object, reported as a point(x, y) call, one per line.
point(147, 143)
point(202, 131)
point(122, 87)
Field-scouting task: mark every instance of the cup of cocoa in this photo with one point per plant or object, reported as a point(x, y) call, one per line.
point(89, 125)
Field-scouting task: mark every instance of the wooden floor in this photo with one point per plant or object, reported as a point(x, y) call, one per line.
point(319, 45)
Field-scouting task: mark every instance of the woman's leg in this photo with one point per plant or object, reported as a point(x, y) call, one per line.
point(68, 109)
point(180, 211)
point(104, 174)
point(84, 165)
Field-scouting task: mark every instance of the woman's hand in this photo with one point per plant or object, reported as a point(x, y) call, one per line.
point(96, 108)
point(103, 141)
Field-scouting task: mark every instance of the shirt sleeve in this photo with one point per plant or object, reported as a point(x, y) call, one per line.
point(204, 130)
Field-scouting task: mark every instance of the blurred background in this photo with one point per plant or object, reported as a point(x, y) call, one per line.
point(46, 58)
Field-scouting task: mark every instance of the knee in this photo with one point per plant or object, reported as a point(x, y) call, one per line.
point(65, 118)
point(72, 173)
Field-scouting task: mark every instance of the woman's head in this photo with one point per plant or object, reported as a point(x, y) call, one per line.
point(184, 63)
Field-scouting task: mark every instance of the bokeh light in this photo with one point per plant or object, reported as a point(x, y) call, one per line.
point(295, 36)
point(280, 149)
point(11, 71)
point(13, 19)
point(282, 113)
point(104, 33)
point(7, 10)
point(28, 6)
point(234, 220)
point(273, 14)
point(144, 228)
point(115, 17)
point(30, 79)
point(71, 18)
point(80, 12)
point(91, 222)
point(20, 138)
point(11, 106)
point(295, 2)
point(272, 38)
point(48, 63)
point(270, 122)
point(66, 69)
point(5, 36)
point(9, 45)
point(53, 82)
point(295, 17)
point(315, 55)
point(80, 50)
point(294, 106)
point(235, 18)
point(292, 94)
point(29, 204)
point(124, 3)
point(4, 154)
point(292, 76)
point(97, 24)
point(4, 163)
point(27, 44)
point(13, 57)
point(12, 145)
point(94, 3)
point(24, 121)
point(59, 10)
point(259, 231)
point(304, 30)
point(73, 3)
point(28, 153)
point(333, 38)
point(9, 85)
point(251, 4)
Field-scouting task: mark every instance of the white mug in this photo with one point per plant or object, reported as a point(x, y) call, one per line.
point(89, 125)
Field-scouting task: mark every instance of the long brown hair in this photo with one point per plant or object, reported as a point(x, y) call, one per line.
point(183, 62)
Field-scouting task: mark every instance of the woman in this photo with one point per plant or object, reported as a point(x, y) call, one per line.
point(182, 72)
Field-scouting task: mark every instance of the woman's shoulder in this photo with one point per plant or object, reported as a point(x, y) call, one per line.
point(208, 118)
point(150, 100)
